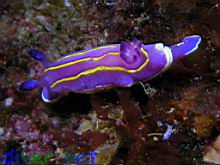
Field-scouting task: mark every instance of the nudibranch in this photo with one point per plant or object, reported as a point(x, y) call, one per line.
point(108, 66)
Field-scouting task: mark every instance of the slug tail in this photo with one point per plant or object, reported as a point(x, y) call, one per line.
point(188, 45)
point(40, 56)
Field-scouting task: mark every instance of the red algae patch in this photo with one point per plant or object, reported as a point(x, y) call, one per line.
point(203, 125)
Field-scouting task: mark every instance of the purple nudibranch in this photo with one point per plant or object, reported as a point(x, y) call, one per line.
point(108, 66)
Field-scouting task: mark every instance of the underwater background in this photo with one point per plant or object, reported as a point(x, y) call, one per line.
point(119, 126)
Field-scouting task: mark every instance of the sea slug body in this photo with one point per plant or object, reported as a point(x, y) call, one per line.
point(108, 66)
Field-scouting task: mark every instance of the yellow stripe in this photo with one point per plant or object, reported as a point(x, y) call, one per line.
point(103, 68)
point(82, 60)
point(81, 53)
